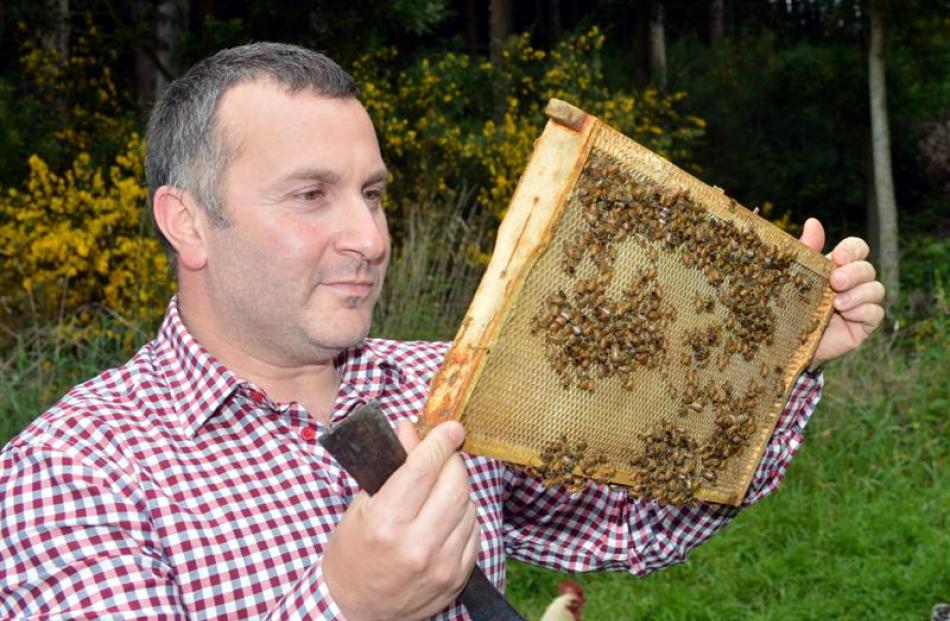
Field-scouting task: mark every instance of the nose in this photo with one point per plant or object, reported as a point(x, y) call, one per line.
point(364, 231)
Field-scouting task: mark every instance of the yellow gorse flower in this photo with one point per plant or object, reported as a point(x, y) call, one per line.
point(79, 241)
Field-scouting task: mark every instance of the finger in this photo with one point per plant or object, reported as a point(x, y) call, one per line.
point(472, 546)
point(448, 501)
point(850, 249)
point(869, 316)
point(407, 434)
point(813, 234)
point(461, 547)
point(407, 489)
point(865, 293)
point(851, 275)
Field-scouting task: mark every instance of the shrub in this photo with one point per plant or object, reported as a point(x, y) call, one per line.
point(77, 241)
point(441, 130)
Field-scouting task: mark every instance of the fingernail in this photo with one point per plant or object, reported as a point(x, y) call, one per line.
point(841, 300)
point(840, 280)
point(455, 431)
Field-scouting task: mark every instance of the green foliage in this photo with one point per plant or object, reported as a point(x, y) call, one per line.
point(785, 124)
point(42, 362)
point(431, 276)
point(440, 132)
point(82, 109)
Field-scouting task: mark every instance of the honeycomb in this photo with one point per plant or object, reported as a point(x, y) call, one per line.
point(635, 326)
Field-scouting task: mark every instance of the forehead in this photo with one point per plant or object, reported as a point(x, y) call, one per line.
point(264, 118)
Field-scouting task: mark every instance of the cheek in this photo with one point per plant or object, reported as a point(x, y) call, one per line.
point(293, 244)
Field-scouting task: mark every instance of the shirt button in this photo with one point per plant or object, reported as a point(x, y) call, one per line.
point(307, 433)
point(257, 396)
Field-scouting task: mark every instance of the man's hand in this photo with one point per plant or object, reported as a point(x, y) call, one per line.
point(407, 552)
point(858, 300)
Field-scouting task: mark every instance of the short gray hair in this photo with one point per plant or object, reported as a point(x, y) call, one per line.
point(185, 148)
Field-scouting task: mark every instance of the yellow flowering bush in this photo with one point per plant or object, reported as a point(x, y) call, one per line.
point(442, 132)
point(75, 243)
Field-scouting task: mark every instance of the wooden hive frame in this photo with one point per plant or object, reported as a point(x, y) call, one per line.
point(526, 233)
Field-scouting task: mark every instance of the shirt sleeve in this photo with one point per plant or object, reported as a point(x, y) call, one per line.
point(73, 545)
point(76, 542)
point(601, 528)
point(310, 599)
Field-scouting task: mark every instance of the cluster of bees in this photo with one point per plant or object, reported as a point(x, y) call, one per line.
point(701, 343)
point(667, 469)
point(570, 464)
point(673, 466)
point(590, 335)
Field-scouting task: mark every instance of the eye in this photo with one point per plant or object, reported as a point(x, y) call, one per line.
point(310, 195)
point(373, 194)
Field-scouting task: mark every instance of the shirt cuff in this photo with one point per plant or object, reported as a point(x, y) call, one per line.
point(786, 437)
point(326, 605)
point(311, 600)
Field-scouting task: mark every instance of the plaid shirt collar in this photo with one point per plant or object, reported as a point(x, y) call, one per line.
point(201, 384)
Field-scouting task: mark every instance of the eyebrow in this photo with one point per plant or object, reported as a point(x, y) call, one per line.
point(380, 176)
point(326, 175)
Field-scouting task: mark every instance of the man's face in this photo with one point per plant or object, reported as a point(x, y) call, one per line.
point(301, 265)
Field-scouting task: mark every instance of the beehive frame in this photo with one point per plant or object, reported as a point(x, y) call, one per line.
point(493, 382)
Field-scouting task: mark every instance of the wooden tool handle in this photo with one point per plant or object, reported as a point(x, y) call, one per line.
point(368, 448)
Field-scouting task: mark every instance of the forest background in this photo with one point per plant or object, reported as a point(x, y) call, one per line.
point(838, 109)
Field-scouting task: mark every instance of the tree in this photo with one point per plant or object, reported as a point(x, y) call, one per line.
point(657, 46)
point(717, 17)
point(57, 39)
point(884, 198)
point(499, 28)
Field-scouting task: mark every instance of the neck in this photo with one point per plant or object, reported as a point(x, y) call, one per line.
point(312, 384)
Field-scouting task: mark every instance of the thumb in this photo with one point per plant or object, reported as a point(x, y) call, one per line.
point(407, 434)
point(407, 490)
point(813, 235)
point(439, 444)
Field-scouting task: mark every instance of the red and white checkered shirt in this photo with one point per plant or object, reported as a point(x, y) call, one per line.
point(169, 488)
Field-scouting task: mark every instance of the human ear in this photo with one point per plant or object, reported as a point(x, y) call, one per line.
point(178, 216)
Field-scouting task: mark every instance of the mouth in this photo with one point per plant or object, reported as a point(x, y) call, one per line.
point(351, 288)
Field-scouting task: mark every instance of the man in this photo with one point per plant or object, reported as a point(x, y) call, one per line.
point(188, 483)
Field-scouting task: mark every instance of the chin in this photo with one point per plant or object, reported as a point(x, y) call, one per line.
point(343, 334)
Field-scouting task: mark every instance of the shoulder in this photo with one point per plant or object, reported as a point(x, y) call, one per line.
point(101, 415)
point(420, 359)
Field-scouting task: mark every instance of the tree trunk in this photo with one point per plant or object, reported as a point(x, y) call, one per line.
point(146, 73)
point(499, 28)
point(170, 23)
point(57, 39)
point(873, 230)
point(717, 18)
point(471, 26)
point(881, 156)
point(499, 12)
point(639, 17)
point(657, 46)
point(555, 30)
